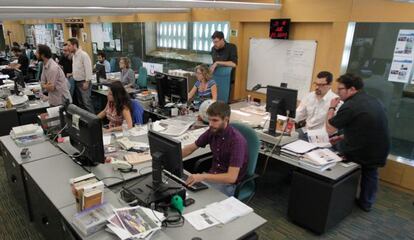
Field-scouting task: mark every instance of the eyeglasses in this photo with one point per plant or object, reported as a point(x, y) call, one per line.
point(320, 84)
point(341, 88)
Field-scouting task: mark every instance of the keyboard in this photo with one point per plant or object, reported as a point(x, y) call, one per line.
point(194, 188)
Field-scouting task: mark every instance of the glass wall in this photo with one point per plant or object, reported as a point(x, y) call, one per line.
point(371, 56)
point(176, 45)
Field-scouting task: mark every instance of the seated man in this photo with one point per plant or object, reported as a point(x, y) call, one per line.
point(102, 61)
point(22, 61)
point(229, 149)
point(314, 107)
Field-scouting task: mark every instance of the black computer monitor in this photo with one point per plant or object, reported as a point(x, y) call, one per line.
point(280, 101)
point(85, 133)
point(166, 154)
point(178, 89)
point(174, 88)
point(162, 87)
point(100, 72)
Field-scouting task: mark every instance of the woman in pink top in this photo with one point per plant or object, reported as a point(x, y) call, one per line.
point(118, 108)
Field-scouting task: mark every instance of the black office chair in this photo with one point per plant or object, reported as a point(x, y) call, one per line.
point(9, 119)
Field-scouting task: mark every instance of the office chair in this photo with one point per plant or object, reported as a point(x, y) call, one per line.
point(142, 80)
point(246, 189)
point(114, 65)
point(137, 112)
point(222, 76)
point(136, 63)
point(9, 119)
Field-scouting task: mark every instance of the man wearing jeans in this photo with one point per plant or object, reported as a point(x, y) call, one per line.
point(66, 62)
point(366, 137)
point(229, 149)
point(82, 74)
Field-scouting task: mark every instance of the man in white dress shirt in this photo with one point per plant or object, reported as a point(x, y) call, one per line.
point(82, 74)
point(314, 107)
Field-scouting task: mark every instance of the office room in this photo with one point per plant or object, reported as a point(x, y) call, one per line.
point(202, 119)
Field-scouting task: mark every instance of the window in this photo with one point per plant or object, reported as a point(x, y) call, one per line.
point(202, 32)
point(172, 35)
point(178, 35)
point(371, 57)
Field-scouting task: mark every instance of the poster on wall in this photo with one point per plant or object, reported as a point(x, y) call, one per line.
point(402, 62)
point(400, 70)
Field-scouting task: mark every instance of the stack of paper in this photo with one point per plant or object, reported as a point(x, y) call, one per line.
point(319, 137)
point(297, 148)
point(135, 222)
point(321, 157)
point(218, 213)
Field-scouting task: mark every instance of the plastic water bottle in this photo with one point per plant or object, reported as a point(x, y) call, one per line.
point(150, 124)
point(125, 128)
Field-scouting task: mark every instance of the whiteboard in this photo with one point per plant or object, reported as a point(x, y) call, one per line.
point(273, 61)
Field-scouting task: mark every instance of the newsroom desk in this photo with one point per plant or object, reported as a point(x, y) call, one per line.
point(49, 202)
point(318, 200)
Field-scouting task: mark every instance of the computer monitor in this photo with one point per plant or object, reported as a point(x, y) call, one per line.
point(178, 89)
point(162, 87)
point(166, 154)
point(85, 133)
point(100, 72)
point(153, 68)
point(280, 101)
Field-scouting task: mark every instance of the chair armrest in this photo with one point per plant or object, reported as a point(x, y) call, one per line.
point(203, 164)
point(244, 182)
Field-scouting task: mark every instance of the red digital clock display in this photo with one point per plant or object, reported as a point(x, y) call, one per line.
point(279, 28)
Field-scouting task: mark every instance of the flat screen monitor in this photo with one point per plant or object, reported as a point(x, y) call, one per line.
point(287, 98)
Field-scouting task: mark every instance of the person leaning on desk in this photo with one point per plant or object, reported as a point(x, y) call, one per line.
point(127, 74)
point(118, 108)
point(229, 149)
point(53, 79)
point(205, 87)
point(366, 136)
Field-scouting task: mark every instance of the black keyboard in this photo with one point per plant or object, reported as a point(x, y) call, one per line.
point(195, 187)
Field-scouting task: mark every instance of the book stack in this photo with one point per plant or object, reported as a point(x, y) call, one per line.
point(88, 191)
point(135, 222)
point(27, 135)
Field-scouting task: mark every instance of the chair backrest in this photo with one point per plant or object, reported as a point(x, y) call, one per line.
point(136, 63)
point(39, 70)
point(137, 112)
point(253, 144)
point(222, 76)
point(142, 80)
point(114, 64)
point(9, 119)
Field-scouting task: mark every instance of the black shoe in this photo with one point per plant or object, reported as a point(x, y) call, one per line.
point(362, 207)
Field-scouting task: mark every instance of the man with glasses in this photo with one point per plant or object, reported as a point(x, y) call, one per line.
point(314, 107)
point(229, 149)
point(222, 52)
point(365, 138)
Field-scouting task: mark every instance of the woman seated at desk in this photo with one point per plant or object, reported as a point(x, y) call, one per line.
point(127, 74)
point(118, 108)
point(205, 87)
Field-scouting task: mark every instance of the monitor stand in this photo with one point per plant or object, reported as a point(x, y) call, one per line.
point(83, 161)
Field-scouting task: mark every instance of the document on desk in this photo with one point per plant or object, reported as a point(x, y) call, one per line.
point(228, 210)
point(299, 147)
point(319, 137)
point(200, 220)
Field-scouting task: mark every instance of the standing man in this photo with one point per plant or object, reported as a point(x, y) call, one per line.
point(366, 136)
point(224, 54)
point(53, 79)
point(65, 61)
point(314, 107)
point(229, 149)
point(102, 61)
point(82, 74)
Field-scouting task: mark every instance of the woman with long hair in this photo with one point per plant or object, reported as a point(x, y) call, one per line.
point(118, 108)
point(205, 87)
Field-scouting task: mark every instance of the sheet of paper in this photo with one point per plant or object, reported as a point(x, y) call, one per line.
point(319, 137)
point(240, 113)
point(106, 139)
point(200, 220)
point(299, 146)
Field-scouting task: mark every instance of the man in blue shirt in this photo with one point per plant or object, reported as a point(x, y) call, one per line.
point(102, 61)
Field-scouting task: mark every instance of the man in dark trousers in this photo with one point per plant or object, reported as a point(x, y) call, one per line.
point(365, 138)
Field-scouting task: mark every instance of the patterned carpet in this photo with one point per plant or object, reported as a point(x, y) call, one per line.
point(391, 218)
